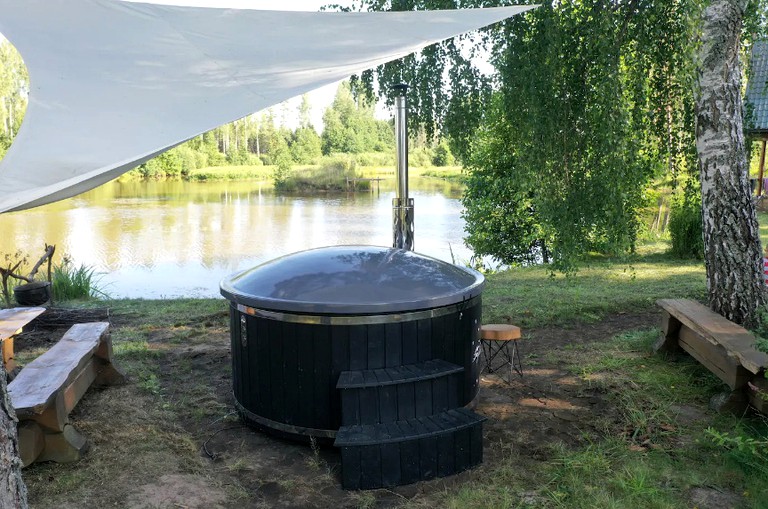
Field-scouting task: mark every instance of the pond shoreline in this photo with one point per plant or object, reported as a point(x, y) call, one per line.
point(177, 238)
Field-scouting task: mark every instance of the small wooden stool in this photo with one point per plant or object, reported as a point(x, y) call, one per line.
point(496, 339)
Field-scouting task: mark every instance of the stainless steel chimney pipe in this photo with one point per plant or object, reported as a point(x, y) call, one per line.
point(402, 205)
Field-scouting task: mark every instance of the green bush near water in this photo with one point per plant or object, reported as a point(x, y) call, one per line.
point(685, 229)
point(210, 173)
point(75, 283)
point(331, 175)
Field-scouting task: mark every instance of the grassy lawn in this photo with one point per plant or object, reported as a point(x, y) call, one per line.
point(659, 449)
point(599, 421)
point(533, 297)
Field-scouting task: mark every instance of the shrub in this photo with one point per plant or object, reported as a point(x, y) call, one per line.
point(187, 158)
point(331, 175)
point(70, 282)
point(685, 228)
point(377, 158)
point(746, 446)
point(420, 157)
point(282, 171)
point(442, 155)
point(339, 165)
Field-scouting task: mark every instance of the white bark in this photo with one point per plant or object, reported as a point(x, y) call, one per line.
point(731, 235)
point(13, 491)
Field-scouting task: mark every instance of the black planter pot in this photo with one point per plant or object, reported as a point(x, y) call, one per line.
point(33, 294)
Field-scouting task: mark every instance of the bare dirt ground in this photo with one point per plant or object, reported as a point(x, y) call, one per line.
point(172, 439)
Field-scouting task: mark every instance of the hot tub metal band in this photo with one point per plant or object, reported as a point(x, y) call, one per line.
point(359, 319)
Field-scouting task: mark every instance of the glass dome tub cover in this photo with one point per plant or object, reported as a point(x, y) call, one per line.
point(352, 280)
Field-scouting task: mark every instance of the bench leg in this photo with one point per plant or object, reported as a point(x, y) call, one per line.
point(8, 361)
point(31, 442)
point(48, 436)
point(670, 326)
point(54, 417)
point(64, 447)
point(735, 402)
point(109, 374)
point(38, 444)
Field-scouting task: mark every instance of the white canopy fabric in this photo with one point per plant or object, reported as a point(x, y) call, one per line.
point(114, 83)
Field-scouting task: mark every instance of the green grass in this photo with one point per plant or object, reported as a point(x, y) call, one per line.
point(75, 283)
point(651, 458)
point(161, 314)
point(533, 296)
point(451, 173)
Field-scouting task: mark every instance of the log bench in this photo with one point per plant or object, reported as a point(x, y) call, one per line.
point(723, 347)
point(12, 321)
point(47, 389)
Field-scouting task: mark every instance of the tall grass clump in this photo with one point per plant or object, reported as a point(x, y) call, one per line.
point(685, 228)
point(330, 175)
point(75, 283)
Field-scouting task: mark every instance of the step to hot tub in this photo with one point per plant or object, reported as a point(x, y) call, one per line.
point(404, 452)
point(379, 396)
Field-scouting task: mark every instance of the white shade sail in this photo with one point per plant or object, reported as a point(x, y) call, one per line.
point(114, 83)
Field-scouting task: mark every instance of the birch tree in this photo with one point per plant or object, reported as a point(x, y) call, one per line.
point(731, 234)
point(13, 491)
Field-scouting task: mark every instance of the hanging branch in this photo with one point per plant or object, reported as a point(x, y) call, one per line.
point(50, 261)
point(49, 250)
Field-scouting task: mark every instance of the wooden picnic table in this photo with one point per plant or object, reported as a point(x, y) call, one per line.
point(11, 322)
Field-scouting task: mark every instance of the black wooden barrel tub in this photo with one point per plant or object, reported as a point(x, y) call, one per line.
point(373, 348)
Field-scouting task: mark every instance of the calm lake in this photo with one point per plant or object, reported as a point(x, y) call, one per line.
point(172, 239)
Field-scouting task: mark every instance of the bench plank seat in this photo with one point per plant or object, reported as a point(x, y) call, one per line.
point(35, 386)
point(14, 319)
point(11, 322)
point(723, 347)
point(718, 330)
point(48, 388)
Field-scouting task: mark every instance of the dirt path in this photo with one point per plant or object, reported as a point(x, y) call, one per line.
point(550, 403)
point(238, 467)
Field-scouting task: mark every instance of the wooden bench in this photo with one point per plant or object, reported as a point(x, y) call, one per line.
point(723, 347)
point(48, 388)
point(12, 321)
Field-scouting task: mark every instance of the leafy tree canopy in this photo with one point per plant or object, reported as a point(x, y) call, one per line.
point(350, 126)
point(589, 101)
point(14, 87)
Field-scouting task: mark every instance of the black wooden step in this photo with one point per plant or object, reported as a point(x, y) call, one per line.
point(403, 452)
point(401, 374)
point(400, 393)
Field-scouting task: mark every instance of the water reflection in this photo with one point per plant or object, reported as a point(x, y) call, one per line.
point(167, 239)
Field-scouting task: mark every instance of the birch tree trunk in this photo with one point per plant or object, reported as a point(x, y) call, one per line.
point(731, 236)
point(13, 491)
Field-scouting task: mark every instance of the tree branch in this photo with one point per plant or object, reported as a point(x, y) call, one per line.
point(49, 250)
